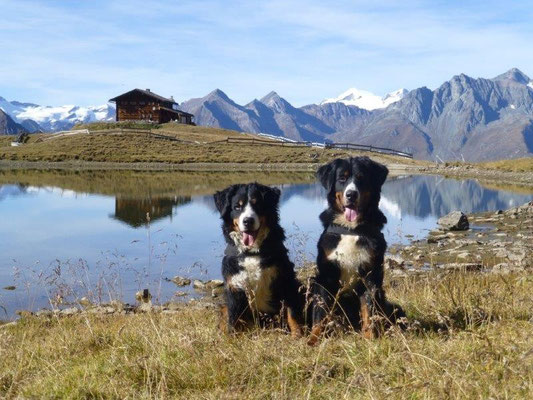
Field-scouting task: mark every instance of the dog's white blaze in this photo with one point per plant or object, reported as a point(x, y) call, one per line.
point(248, 212)
point(351, 186)
point(349, 256)
point(256, 282)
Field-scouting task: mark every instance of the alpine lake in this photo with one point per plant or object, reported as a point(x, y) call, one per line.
point(105, 235)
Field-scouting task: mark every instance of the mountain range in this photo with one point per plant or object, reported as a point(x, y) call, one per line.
point(35, 118)
point(464, 118)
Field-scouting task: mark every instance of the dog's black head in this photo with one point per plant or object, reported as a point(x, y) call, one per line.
point(354, 187)
point(249, 213)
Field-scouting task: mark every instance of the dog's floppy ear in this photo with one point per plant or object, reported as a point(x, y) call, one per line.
point(378, 171)
point(222, 199)
point(271, 195)
point(382, 172)
point(325, 174)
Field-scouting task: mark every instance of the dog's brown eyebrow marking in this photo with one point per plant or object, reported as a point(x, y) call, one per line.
point(346, 173)
point(253, 200)
point(241, 202)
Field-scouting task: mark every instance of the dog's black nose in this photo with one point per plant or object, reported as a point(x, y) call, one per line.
point(351, 195)
point(248, 222)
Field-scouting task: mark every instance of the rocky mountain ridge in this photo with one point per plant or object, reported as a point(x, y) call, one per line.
point(463, 119)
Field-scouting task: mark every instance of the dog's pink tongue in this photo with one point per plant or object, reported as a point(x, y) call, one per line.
point(350, 214)
point(248, 239)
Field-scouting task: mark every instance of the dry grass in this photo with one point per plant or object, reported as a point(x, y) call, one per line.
point(180, 131)
point(143, 148)
point(517, 165)
point(473, 339)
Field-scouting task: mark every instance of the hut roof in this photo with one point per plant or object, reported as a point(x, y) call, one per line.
point(148, 93)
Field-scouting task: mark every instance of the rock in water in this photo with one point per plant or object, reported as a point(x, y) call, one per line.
point(454, 221)
point(180, 281)
point(207, 285)
point(394, 262)
point(198, 284)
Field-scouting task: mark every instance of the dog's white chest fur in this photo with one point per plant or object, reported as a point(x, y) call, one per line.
point(256, 282)
point(350, 256)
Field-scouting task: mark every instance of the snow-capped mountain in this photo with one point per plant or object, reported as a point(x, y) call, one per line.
point(475, 119)
point(46, 118)
point(366, 100)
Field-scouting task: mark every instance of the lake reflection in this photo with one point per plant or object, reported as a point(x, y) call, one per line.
point(90, 231)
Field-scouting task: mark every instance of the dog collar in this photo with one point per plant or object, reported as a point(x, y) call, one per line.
point(341, 230)
point(234, 251)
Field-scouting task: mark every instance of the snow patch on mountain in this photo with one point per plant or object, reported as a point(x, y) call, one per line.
point(57, 118)
point(530, 85)
point(60, 117)
point(366, 100)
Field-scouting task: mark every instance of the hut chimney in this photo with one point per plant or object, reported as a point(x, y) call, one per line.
point(148, 90)
point(172, 98)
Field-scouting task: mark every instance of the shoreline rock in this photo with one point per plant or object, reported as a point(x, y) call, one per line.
point(454, 221)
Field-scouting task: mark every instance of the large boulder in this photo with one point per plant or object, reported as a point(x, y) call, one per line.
point(454, 221)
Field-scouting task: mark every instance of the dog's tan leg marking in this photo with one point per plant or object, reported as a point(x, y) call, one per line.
point(366, 322)
point(316, 332)
point(294, 325)
point(223, 318)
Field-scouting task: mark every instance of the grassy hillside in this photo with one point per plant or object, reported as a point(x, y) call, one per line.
point(180, 131)
point(471, 337)
point(137, 147)
point(517, 165)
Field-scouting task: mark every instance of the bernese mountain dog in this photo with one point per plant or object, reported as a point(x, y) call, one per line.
point(259, 279)
point(349, 283)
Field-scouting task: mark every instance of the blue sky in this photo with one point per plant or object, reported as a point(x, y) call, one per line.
point(85, 52)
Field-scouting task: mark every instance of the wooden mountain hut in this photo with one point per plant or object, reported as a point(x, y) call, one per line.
point(144, 105)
